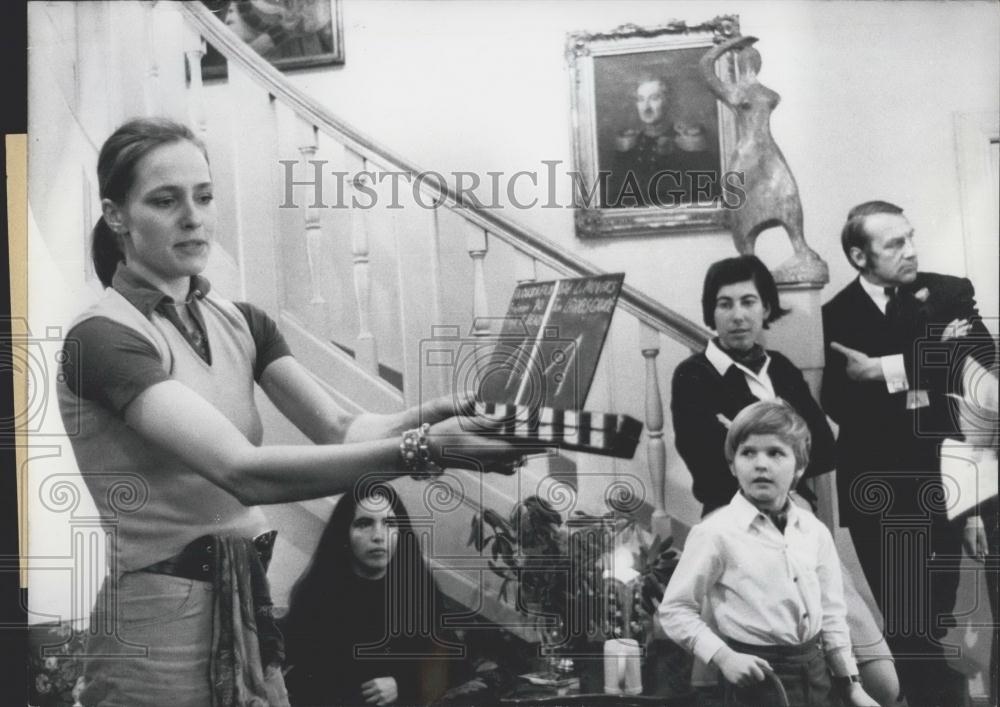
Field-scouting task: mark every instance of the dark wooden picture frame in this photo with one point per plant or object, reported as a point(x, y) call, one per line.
point(311, 36)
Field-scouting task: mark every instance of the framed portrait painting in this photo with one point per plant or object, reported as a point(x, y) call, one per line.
point(291, 34)
point(651, 142)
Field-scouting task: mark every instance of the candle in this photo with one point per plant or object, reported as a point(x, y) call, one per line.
point(621, 667)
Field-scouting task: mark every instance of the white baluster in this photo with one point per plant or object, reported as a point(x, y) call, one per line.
point(307, 148)
point(196, 96)
point(526, 270)
point(367, 356)
point(656, 450)
point(477, 243)
point(151, 84)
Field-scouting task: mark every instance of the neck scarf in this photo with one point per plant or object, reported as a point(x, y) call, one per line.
point(754, 358)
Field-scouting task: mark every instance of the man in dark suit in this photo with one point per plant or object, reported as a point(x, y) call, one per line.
point(896, 338)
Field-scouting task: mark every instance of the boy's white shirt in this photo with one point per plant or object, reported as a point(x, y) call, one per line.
point(762, 587)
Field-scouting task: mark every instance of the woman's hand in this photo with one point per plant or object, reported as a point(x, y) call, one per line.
point(370, 426)
point(447, 406)
point(380, 691)
point(466, 442)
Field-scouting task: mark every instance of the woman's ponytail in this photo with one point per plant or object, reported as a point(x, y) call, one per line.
point(105, 252)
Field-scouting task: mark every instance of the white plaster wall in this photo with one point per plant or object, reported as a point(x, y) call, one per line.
point(868, 94)
point(868, 91)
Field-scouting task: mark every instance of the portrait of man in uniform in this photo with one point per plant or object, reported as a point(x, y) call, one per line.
point(657, 131)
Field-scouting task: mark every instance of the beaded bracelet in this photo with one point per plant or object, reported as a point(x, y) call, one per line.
point(415, 453)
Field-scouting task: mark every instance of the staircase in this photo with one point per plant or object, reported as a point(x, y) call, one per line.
point(363, 295)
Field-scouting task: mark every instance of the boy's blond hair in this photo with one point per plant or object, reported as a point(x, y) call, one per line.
point(771, 417)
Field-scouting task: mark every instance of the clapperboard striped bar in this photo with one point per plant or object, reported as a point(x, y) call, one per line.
point(578, 430)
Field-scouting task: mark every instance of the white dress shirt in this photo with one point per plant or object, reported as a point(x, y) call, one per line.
point(893, 368)
point(760, 384)
point(762, 587)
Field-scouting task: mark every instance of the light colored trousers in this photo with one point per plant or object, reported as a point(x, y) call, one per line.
point(150, 643)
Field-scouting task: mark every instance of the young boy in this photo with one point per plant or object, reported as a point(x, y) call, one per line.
point(769, 575)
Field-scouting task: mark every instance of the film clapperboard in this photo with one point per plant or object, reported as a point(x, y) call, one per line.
point(541, 370)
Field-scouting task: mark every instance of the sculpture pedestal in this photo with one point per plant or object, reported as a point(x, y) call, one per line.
point(799, 335)
point(804, 269)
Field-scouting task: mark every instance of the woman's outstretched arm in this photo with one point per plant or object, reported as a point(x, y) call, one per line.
point(303, 400)
point(182, 422)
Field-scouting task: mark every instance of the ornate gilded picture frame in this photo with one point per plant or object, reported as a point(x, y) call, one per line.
point(651, 143)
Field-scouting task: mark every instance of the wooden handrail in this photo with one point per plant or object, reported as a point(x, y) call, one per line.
point(637, 303)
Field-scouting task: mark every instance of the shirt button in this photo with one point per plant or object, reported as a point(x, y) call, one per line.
point(205, 567)
point(209, 549)
point(795, 579)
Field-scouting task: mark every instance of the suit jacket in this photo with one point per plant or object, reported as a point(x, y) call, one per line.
point(877, 430)
point(699, 393)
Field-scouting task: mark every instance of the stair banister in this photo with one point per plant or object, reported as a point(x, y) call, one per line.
point(545, 251)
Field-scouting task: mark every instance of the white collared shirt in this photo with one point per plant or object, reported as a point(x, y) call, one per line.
point(760, 384)
point(876, 292)
point(893, 367)
point(763, 587)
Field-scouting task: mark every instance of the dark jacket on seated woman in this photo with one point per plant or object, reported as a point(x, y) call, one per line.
point(346, 629)
point(355, 620)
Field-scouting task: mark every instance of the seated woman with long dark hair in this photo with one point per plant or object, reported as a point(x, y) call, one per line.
point(362, 621)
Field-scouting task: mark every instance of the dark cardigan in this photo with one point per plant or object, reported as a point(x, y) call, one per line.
point(700, 394)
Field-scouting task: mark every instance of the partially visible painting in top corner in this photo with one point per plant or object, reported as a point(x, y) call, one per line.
point(291, 34)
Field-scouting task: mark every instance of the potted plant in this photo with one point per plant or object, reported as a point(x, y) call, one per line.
point(595, 603)
point(523, 546)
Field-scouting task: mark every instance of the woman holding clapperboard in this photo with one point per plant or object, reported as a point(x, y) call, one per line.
point(739, 300)
point(158, 384)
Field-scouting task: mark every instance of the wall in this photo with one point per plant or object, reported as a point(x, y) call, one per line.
point(869, 92)
point(868, 95)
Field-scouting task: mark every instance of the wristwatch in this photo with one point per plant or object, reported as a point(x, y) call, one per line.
point(844, 681)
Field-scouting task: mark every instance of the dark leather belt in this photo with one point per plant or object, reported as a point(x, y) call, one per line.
point(196, 560)
point(778, 652)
